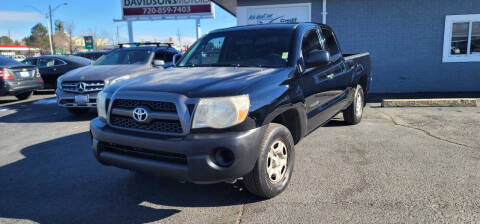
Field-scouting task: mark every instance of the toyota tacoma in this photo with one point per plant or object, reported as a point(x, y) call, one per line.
point(234, 106)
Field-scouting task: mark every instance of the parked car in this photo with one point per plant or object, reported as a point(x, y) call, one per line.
point(92, 55)
point(53, 66)
point(77, 90)
point(18, 79)
point(235, 106)
point(17, 57)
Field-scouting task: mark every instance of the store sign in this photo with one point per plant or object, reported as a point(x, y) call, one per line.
point(265, 14)
point(162, 8)
point(88, 42)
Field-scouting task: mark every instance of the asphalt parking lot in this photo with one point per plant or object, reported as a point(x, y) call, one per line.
point(403, 165)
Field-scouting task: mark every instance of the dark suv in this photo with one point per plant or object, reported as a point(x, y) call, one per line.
point(235, 106)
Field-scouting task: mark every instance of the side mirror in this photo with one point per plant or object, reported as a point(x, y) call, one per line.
point(158, 63)
point(317, 58)
point(176, 57)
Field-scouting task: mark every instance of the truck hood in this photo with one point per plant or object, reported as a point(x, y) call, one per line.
point(201, 81)
point(103, 72)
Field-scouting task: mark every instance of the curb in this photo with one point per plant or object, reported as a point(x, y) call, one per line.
point(457, 102)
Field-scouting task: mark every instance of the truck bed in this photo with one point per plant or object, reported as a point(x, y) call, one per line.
point(364, 64)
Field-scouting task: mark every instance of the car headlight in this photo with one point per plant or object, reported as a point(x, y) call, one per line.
point(101, 105)
point(125, 77)
point(59, 82)
point(221, 112)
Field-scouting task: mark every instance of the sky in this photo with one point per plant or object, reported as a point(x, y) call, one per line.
point(17, 17)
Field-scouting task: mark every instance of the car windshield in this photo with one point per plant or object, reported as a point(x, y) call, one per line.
point(245, 48)
point(124, 57)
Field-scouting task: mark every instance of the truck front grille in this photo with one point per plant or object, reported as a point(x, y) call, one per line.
point(162, 116)
point(165, 126)
point(155, 106)
point(82, 86)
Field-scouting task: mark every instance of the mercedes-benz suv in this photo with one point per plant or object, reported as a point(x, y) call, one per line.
point(77, 90)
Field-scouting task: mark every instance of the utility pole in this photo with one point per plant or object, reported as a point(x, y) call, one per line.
point(49, 21)
point(199, 29)
point(179, 35)
point(50, 28)
point(118, 36)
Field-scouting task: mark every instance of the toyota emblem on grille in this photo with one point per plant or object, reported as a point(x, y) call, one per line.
point(140, 114)
point(81, 86)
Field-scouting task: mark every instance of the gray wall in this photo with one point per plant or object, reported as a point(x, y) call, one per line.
point(405, 39)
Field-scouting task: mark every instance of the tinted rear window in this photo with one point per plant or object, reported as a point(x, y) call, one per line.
point(8, 61)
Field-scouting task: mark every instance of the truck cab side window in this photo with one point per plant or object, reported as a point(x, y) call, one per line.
point(331, 44)
point(310, 42)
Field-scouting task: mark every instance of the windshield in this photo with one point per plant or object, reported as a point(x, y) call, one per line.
point(249, 48)
point(124, 57)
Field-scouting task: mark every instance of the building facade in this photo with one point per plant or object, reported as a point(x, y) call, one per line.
point(416, 46)
point(12, 50)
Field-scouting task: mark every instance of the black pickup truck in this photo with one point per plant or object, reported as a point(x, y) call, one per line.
point(234, 106)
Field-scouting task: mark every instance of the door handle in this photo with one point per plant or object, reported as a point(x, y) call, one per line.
point(330, 76)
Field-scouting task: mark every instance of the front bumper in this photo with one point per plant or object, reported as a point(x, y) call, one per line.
point(190, 158)
point(66, 99)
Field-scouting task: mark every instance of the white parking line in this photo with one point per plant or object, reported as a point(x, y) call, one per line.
point(46, 101)
point(4, 109)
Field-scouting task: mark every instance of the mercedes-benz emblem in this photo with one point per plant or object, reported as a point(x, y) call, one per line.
point(81, 86)
point(140, 114)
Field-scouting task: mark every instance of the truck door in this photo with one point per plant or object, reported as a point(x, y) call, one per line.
point(319, 87)
point(342, 75)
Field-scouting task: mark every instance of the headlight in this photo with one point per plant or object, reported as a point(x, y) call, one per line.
point(221, 112)
point(59, 82)
point(125, 77)
point(101, 105)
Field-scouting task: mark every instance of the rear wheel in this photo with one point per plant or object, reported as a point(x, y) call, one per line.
point(353, 114)
point(78, 111)
point(274, 166)
point(24, 96)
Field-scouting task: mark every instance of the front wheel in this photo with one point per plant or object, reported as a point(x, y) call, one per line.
point(353, 114)
point(274, 166)
point(24, 96)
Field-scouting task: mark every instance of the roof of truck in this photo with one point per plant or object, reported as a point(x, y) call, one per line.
point(268, 26)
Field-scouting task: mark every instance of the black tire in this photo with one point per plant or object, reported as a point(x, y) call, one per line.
point(78, 111)
point(258, 182)
point(353, 114)
point(24, 96)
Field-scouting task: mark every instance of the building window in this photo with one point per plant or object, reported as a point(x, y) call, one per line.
point(462, 38)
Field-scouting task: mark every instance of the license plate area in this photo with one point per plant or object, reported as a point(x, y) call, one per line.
point(25, 74)
point(81, 99)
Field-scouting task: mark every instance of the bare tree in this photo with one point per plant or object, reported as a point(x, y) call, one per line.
point(69, 28)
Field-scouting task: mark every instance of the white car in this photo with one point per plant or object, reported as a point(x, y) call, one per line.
point(18, 58)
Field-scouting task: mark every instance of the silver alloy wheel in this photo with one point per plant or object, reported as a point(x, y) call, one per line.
point(277, 159)
point(358, 104)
